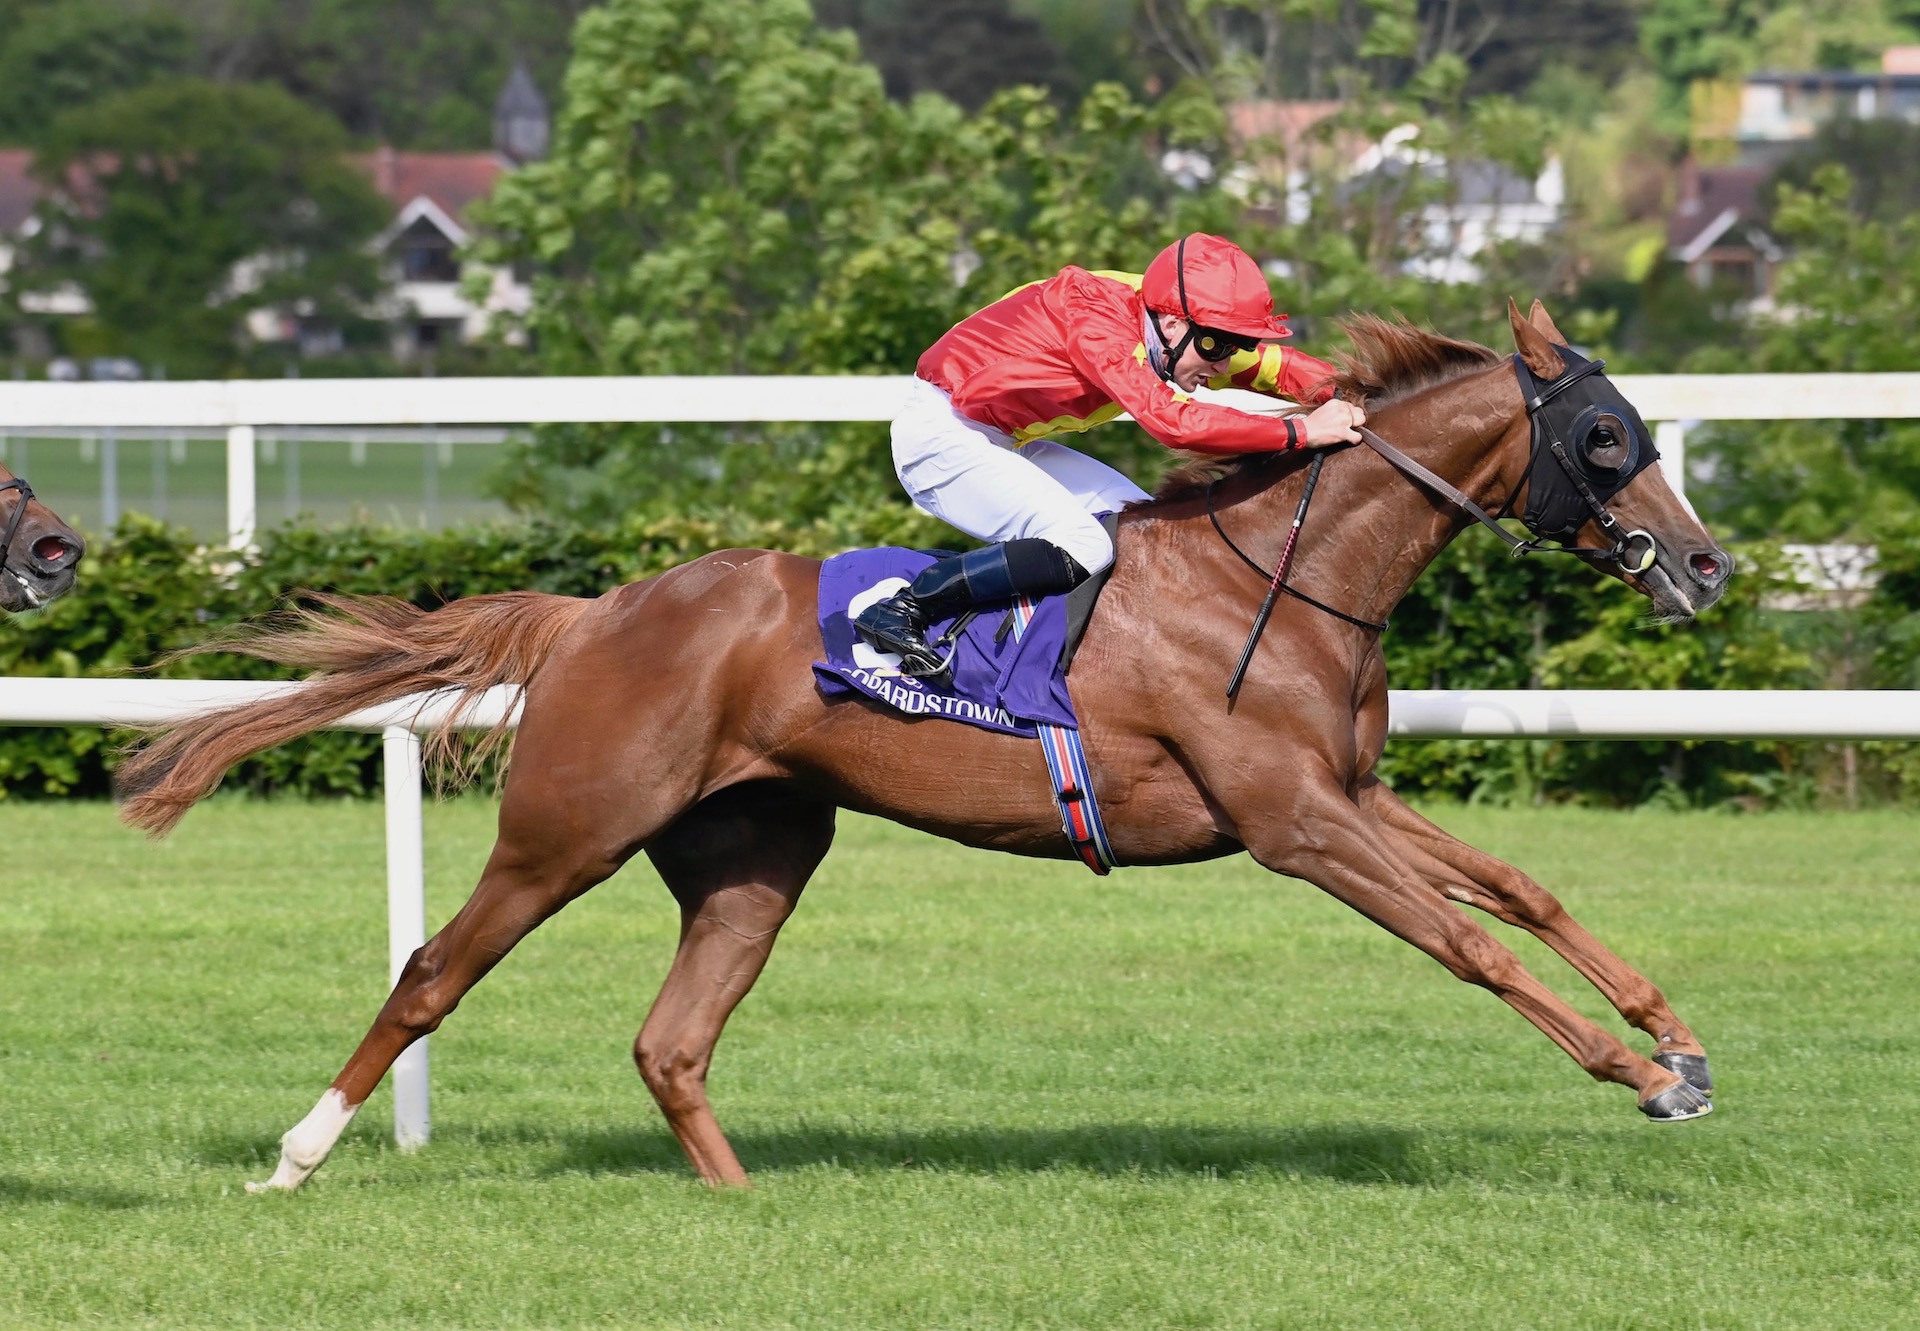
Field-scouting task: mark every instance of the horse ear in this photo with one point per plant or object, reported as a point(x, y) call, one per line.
point(1540, 319)
point(1533, 346)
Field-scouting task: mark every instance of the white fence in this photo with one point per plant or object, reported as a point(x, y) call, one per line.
point(242, 407)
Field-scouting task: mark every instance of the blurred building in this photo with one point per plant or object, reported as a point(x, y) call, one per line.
point(1453, 210)
point(434, 299)
point(1780, 111)
point(1717, 230)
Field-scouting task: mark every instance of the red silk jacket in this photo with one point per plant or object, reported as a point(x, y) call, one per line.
point(1065, 355)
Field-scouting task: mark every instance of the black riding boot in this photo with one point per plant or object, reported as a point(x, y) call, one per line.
point(956, 584)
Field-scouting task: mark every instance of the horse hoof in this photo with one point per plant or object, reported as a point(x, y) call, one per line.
point(1691, 1066)
point(1678, 1103)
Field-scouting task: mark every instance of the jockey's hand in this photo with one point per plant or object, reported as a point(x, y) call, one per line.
point(1333, 422)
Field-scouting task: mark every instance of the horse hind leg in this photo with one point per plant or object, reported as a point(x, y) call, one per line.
point(1510, 896)
point(513, 897)
point(737, 864)
point(555, 843)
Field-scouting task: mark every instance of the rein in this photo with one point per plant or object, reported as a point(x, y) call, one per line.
point(1278, 577)
point(1546, 439)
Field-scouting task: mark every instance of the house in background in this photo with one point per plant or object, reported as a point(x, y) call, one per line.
point(1453, 210)
point(19, 195)
point(1779, 111)
point(1717, 232)
point(425, 303)
point(1459, 209)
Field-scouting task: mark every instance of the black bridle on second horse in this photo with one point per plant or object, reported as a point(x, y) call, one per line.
point(14, 519)
point(1610, 446)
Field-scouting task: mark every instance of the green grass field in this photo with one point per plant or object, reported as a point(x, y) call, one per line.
point(975, 1092)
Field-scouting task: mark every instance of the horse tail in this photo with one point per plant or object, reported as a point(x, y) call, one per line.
point(368, 650)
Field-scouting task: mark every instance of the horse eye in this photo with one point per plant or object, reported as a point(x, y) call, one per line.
point(1608, 444)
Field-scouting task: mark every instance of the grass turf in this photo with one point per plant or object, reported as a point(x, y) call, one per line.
point(973, 1091)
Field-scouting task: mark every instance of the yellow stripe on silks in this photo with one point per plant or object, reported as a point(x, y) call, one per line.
point(1130, 279)
point(1066, 424)
point(1272, 357)
point(1099, 415)
point(1269, 358)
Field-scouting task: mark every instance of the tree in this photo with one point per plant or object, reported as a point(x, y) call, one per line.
point(1399, 68)
point(965, 50)
point(734, 192)
point(1691, 40)
point(54, 58)
point(1847, 296)
point(1882, 159)
point(421, 74)
point(182, 206)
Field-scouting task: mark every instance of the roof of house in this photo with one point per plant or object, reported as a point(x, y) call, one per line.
point(1268, 118)
point(19, 192)
point(1714, 199)
point(1285, 131)
point(452, 181)
point(1840, 80)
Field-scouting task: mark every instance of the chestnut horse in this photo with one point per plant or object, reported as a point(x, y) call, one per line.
point(679, 716)
point(39, 553)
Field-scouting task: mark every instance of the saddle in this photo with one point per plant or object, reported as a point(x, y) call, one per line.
point(1009, 670)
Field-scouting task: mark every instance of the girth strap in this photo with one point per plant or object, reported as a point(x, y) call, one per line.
point(1072, 778)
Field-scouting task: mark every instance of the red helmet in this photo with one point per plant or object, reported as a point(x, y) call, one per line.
point(1212, 282)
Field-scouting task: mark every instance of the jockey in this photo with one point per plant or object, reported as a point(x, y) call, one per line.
point(972, 444)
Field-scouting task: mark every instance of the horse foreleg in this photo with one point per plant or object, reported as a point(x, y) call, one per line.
point(737, 863)
point(1331, 843)
point(1510, 896)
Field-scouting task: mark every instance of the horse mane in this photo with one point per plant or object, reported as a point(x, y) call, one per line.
point(1390, 359)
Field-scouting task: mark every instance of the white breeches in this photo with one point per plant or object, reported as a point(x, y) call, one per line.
point(973, 477)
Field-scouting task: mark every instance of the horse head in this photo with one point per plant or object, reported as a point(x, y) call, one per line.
point(1593, 479)
point(38, 552)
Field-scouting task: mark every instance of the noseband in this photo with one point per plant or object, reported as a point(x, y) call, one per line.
point(16, 517)
point(1547, 441)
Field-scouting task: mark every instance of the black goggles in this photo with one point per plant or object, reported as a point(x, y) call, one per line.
point(1215, 346)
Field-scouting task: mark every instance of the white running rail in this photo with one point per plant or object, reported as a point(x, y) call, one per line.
point(242, 407)
point(1415, 713)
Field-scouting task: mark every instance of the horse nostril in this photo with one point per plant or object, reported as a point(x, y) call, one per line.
point(55, 552)
point(1706, 567)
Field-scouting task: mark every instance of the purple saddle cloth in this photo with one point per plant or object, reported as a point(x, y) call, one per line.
point(1000, 681)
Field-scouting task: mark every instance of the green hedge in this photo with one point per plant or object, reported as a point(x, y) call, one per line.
point(148, 591)
point(1478, 619)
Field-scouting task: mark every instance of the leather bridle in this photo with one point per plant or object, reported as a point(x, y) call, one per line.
point(1546, 441)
